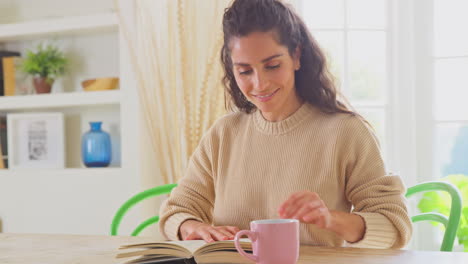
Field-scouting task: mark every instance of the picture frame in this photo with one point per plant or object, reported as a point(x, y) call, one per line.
point(36, 140)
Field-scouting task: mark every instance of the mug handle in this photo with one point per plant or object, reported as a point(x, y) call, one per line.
point(252, 236)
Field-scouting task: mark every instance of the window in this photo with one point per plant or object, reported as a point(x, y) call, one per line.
point(354, 36)
point(404, 65)
point(450, 65)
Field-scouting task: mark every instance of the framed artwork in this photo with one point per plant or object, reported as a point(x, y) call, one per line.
point(36, 140)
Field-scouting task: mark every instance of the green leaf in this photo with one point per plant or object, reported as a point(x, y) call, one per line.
point(47, 62)
point(465, 246)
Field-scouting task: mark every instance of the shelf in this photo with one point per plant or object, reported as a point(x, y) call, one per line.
point(75, 172)
point(52, 26)
point(59, 100)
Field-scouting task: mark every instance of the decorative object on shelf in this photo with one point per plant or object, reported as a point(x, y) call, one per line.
point(46, 65)
point(36, 140)
point(96, 147)
point(3, 60)
point(16, 82)
point(100, 84)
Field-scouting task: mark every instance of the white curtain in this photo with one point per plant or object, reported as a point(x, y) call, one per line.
point(176, 61)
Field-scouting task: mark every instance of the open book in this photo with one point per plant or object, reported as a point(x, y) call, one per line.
point(192, 251)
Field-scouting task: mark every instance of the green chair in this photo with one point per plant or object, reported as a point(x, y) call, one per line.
point(451, 223)
point(159, 190)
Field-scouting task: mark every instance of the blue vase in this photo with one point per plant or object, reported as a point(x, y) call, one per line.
point(96, 147)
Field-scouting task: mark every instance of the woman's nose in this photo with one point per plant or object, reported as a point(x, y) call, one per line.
point(260, 82)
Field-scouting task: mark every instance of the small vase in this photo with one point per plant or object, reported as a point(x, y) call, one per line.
point(41, 85)
point(96, 147)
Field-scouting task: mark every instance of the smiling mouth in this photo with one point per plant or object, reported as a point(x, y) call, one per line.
point(266, 96)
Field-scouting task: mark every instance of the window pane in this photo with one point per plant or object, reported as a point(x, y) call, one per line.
point(323, 14)
point(367, 13)
point(450, 27)
point(376, 118)
point(333, 46)
point(451, 89)
point(451, 153)
point(367, 66)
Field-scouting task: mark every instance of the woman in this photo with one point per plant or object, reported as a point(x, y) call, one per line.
point(293, 150)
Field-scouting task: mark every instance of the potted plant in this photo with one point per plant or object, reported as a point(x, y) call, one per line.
point(46, 65)
point(440, 202)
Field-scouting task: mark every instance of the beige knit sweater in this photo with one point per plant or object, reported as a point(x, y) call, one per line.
point(245, 167)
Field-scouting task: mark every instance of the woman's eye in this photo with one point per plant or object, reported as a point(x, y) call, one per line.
point(245, 72)
point(273, 67)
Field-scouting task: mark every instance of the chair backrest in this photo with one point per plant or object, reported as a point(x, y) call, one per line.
point(451, 223)
point(159, 190)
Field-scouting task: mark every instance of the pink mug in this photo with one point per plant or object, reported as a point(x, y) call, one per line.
point(274, 241)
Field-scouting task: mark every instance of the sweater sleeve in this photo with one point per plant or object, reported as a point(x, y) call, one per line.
point(376, 197)
point(193, 198)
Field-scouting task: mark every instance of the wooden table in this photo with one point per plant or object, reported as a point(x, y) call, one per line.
point(78, 249)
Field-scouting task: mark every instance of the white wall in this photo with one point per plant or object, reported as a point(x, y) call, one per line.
point(61, 203)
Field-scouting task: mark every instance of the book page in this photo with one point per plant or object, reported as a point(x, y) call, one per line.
point(168, 244)
point(190, 245)
point(187, 247)
point(226, 245)
point(205, 252)
point(162, 252)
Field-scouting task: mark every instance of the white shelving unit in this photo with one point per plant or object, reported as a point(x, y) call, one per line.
point(45, 174)
point(60, 100)
point(72, 29)
point(76, 199)
point(62, 25)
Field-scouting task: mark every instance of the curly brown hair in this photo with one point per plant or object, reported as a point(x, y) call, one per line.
point(314, 83)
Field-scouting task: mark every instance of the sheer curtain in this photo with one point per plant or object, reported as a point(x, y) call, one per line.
point(175, 53)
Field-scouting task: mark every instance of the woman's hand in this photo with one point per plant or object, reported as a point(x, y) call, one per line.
point(191, 230)
point(306, 207)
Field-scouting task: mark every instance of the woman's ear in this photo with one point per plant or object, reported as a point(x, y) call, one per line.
point(297, 58)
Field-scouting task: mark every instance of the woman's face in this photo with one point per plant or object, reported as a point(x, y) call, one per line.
point(264, 72)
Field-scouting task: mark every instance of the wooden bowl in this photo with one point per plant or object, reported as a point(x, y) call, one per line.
point(100, 84)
